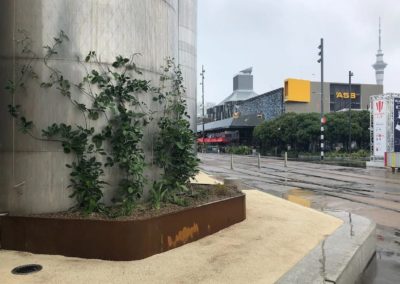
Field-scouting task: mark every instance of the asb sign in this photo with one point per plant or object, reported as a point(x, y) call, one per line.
point(396, 128)
point(379, 110)
point(340, 97)
point(345, 95)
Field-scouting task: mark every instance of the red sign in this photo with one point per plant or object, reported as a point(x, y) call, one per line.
point(212, 140)
point(379, 106)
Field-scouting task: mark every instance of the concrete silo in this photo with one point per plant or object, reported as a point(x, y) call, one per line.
point(33, 176)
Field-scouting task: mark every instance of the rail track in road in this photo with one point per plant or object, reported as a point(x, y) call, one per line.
point(343, 186)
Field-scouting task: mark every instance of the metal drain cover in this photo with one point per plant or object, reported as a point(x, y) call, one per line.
point(26, 269)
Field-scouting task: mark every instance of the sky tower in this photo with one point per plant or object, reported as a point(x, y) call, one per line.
point(379, 65)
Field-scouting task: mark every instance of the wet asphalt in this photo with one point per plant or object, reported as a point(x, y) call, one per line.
point(372, 193)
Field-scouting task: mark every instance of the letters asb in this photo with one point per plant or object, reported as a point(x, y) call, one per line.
point(345, 95)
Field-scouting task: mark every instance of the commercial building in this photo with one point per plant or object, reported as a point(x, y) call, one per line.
point(299, 96)
point(233, 120)
point(303, 96)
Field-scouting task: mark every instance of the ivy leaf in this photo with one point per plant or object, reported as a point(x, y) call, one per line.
point(10, 86)
point(25, 125)
point(94, 115)
point(180, 145)
point(110, 162)
point(97, 140)
point(14, 110)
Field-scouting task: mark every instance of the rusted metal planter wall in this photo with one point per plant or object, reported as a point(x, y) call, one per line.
point(119, 240)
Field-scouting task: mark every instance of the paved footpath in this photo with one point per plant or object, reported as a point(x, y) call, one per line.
point(372, 193)
point(274, 237)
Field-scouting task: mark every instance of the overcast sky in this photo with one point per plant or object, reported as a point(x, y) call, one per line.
point(279, 39)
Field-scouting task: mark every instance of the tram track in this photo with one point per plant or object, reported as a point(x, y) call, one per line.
point(279, 177)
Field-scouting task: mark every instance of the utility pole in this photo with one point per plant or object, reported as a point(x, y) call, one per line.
point(202, 100)
point(321, 61)
point(350, 75)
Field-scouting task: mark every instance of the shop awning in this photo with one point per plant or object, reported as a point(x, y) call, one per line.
point(212, 140)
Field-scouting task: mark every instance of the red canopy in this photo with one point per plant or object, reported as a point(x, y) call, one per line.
point(212, 140)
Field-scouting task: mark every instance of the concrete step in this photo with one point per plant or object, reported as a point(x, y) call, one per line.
point(341, 257)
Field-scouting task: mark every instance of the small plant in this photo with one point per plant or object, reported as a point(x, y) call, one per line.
point(221, 190)
point(178, 200)
point(85, 179)
point(158, 194)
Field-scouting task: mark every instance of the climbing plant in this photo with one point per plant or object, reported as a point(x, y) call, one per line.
point(112, 95)
point(118, 94)
point(174, 151)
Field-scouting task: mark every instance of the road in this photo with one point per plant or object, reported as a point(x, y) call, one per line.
point(373, 193)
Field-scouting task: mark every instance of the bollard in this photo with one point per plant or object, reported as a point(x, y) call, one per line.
point(285, 163)
point(259, 162)
point(231, 161)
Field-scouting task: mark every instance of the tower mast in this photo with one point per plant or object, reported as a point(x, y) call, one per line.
point(379, 65)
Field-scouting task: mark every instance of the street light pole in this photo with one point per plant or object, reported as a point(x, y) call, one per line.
point(350, 75)
point(321, 61)
point(202, 99)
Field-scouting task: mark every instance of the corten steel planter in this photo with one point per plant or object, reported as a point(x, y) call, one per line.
point(119, 239)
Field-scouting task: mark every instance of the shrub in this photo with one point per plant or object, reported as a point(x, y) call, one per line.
point(239, 150)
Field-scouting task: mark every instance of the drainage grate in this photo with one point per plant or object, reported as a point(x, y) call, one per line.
point(26, 269)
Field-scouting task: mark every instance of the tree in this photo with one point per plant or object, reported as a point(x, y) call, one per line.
point(302, 131)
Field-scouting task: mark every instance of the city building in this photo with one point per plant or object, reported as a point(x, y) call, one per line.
point(242, 90)
point(299, 96)
point(303, 96)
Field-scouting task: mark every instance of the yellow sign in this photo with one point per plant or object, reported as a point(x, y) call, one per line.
point(345, 95)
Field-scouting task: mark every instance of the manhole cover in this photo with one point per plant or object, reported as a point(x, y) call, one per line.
point(26, 269)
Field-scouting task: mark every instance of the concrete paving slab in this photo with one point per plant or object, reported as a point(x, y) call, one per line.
point(203, 178)
point(276, 235)
point(341, 257)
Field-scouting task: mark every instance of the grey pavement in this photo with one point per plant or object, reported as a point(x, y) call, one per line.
point(372, 193)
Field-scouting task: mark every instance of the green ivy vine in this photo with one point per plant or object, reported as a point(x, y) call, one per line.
point(174, 151)
point(114, 97)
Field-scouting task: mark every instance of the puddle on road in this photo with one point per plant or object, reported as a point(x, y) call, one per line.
point(299, 196)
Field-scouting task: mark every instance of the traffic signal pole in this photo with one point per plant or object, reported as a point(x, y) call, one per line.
point(321, 61)
point(350, 75)
point(202, 102)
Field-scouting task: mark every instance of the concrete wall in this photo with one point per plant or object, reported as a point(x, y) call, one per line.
point(188, 53)
point(33, 176)
point(368, 90)
point(243, 82)
point(315, 103)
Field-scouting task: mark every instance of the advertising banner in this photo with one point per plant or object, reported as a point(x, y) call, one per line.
point(379, 110)
point(396, 129)
point(340, 97)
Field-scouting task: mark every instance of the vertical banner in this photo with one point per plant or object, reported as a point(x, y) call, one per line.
point(379, 108)
point(396, 128)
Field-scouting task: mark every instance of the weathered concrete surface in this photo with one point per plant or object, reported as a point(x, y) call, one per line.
point(203, 178)
point(33, 176)
point(341, 257)
point(274, 237)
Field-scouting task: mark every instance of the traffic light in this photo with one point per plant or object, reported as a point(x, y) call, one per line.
point(321, 51)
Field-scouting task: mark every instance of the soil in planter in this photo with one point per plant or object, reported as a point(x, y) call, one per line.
point(198, 195)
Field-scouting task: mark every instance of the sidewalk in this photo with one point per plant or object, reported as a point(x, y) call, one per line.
point(275, 236)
